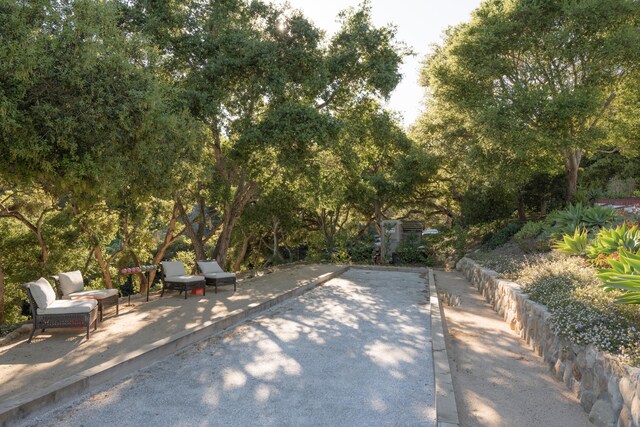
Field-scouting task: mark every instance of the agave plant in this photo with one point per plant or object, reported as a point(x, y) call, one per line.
point(573, 245)
point(577, 216)
point(611, 240)
point(598, 216)
point(567, 220)
point(625, 276)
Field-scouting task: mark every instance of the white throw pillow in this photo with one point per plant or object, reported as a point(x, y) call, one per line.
point(42, 292)
point(71, 282)
point(208, 267)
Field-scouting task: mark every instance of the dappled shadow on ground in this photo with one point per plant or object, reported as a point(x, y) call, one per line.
point(58, 354)
point(356, 351)
point(498, 380)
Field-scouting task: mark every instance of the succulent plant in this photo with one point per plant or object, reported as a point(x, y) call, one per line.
point(573, 245)
point(611, 240)
point(625, 276)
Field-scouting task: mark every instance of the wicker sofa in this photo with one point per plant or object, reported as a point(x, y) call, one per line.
point(49, 312)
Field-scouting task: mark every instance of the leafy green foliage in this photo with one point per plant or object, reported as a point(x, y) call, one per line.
point(576, 216)
point(127, 118)
point(485, 204)
point(527, 238)
point(610, 240)
point(573, 245)
point(361, 250)
point(410, 250)
point(510, 73)
point(530, 230)
point(502, 236)
point(580, 310)
point(624, 275)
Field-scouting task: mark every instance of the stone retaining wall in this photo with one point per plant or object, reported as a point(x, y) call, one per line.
point(607, 389)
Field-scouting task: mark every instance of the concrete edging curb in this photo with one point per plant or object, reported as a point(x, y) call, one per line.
point(13, 411)
point(446, 408)
point(389, 268)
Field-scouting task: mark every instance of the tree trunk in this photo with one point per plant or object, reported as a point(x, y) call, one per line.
point(1, 292)
point(104, 266)
point(243, 252)
point(571, 166)
point(543, 207)
point(195, 236)
point(169, 239)
point(379, 218)
point(275, 238)
point(522, 214)
point(143, 278)
point(103, 262)
point(244, 194)
point(35, 228)
point(222, 245)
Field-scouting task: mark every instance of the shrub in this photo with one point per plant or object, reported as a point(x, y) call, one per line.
point(529, 238)
point(361, 250)
point(502, 236)
point(446, 247)
point(580, 311)
point(530, 230)
point(618, 187)
point(411, 251)
point(482, 203)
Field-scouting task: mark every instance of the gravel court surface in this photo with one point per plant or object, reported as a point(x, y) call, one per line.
point(355, 351)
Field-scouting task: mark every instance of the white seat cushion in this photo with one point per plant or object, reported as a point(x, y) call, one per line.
point(184, 279)
point(209, 267)
point(93, 294)
point(220, 275)
point(42, 293)
point(173, 268)
point(71, 282)
point(66, 306)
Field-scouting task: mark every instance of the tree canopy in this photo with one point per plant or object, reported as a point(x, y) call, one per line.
point(542, 80)
point(134, 131)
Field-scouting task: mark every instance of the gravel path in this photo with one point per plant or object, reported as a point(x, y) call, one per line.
point(498, 380)
point(355, 352)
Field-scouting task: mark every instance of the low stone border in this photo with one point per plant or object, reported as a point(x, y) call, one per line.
point(608, 390)
point(11, 412)
point(446, 409)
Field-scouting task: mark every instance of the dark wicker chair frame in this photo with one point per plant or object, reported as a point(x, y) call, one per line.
point(182, 287)
point(212, 281)
point(44, 321)
point(220, 282)
point(113, 300)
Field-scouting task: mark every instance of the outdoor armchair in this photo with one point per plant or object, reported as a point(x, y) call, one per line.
point(175, 277)
point(49, 312)
point(215, 275)
point(71, 286)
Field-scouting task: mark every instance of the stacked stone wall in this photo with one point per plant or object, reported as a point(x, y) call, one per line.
point(607, 389)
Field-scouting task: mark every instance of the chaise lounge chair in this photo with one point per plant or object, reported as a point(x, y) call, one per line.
point(71, 286)
point(175, 277)
point(49, 312)
point(216, 276)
